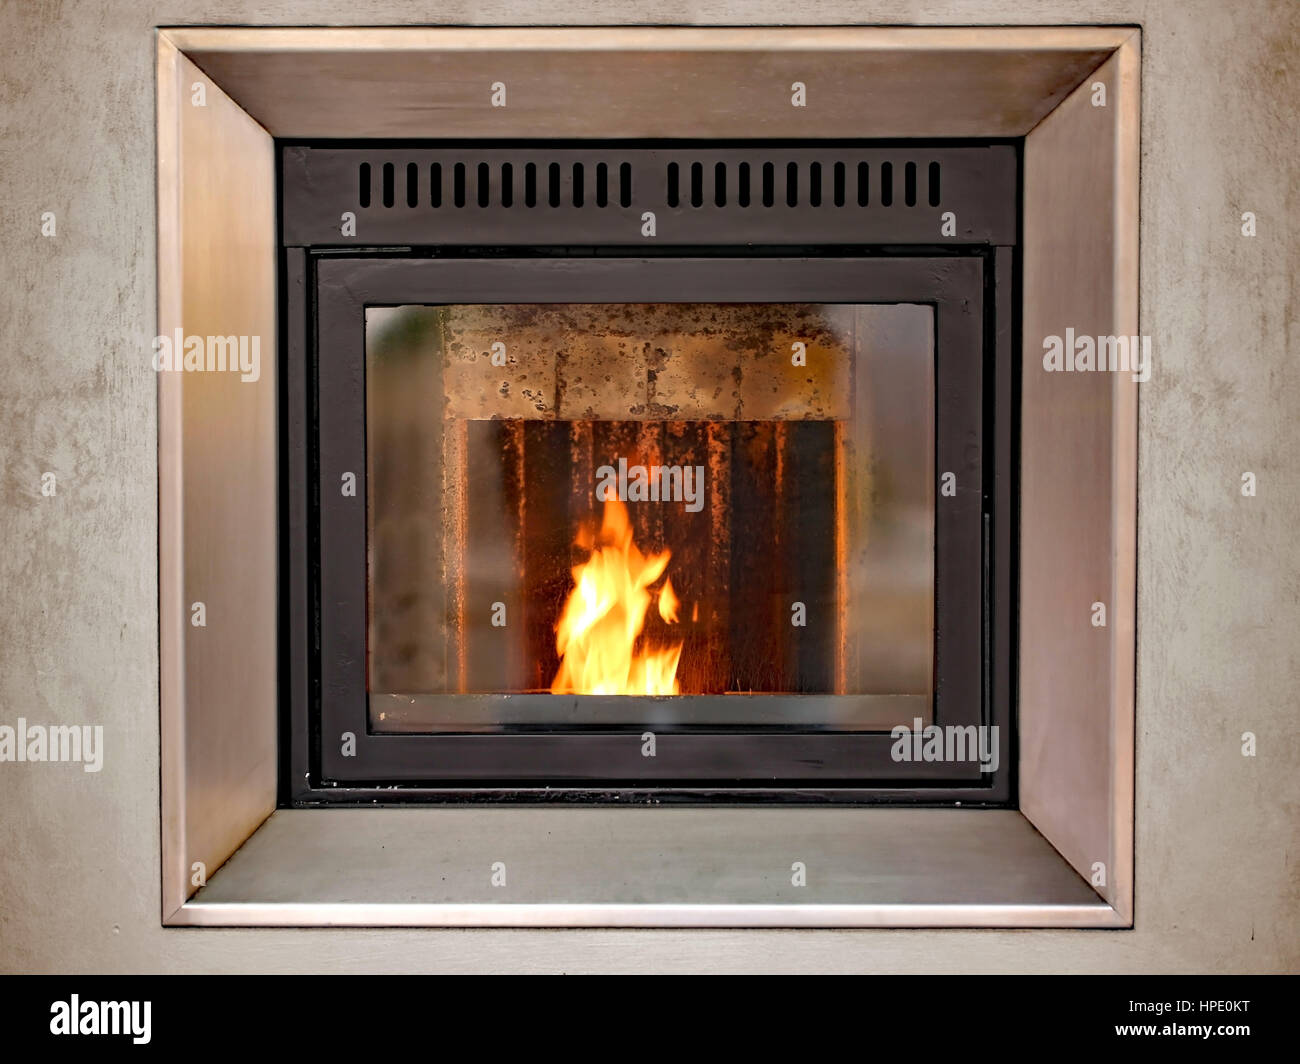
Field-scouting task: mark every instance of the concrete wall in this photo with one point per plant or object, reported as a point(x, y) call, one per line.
point(1219, 594)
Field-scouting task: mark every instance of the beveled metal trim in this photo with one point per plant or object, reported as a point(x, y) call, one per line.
point(1079, 481)
point(643, 866)
point(217, 531)
point(862, 81)
point(943, 39)
point(263, 914)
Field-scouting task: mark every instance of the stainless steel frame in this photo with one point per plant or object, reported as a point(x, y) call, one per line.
point(219, 684)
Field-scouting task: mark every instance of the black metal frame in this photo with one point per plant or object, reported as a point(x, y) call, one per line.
point(722, 194)
point(324, 533)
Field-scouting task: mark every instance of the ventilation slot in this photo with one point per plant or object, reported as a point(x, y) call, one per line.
point(553, 184)
point(934, 184)
point(530, 185)
point(507, 185)
point(388, 184)
point(864, 184)
point(435, 184)
point(458, 185)
point(792, 185)
point(769, 184)
point(909, 184)
point(815, 185)
point(886, 184)
point(742, 185)
point(577, 185)
point(720, 185)
point(839, 185)
point(363, 183)
point(697, 184)
point(412, 184)
point(484, 184)
point(602, 185)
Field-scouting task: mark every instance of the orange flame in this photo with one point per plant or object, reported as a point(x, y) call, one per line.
point(603, 617)
point(668, 602)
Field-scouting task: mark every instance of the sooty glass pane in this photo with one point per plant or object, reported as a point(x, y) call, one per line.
point(713, 504)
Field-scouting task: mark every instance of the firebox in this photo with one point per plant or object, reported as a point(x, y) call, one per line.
point(649, 471)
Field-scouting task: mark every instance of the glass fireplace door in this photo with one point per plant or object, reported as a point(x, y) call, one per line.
point(723, 501)
point(645, 523)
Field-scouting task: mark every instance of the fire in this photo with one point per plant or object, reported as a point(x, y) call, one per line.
point(603, 617)
point(668, 602)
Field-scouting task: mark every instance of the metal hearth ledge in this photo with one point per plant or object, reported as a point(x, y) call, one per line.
point(647, 867)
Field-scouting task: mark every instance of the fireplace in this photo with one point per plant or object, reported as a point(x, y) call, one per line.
point(656, 471)
point(1032, 231)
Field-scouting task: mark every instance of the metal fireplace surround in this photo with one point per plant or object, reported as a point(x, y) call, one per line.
point(374, 224)
point(233, 850)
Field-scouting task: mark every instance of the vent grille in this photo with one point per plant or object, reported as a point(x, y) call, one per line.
point(489, 184)
point(677, 195)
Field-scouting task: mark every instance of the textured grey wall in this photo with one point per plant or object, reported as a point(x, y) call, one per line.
point(1219, 594)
